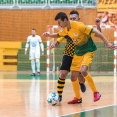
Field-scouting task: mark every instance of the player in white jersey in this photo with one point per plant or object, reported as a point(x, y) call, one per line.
point(35, 43)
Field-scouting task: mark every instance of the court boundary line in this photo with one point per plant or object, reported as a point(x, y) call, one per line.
point(88, 110)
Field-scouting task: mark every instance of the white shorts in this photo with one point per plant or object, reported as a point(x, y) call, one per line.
point(34, 55)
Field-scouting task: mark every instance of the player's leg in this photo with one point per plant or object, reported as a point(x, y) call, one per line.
point(61, 82)
point(37, 56)
point(81, 81)
point(75, 67)
point(32, 58)
point(64, 70)
point(76, 63)
point(88, 78)
point(33, 67)
point(76, 88)
point(87, 59)
point(38, 66)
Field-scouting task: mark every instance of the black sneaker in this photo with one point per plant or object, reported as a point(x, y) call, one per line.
point(82, 87)
point(38, 73)
point(33, 74)
point(60, 98)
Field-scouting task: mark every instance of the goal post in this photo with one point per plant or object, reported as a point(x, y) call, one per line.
point(50, 62)
point(104, 59)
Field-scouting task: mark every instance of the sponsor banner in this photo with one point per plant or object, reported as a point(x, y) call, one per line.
point(107, 5)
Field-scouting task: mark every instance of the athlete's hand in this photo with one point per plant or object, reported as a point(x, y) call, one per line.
point(53, 45)
point(42, 53)
point(97, 21)
point(111, 46)
point(46, 34)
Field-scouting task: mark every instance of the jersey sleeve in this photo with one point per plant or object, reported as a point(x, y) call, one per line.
point(61, 33)
point(60, 39)
point(41, 44)
point(39, 39)
point(27, 43)
point(28, 39)
point(85, 29)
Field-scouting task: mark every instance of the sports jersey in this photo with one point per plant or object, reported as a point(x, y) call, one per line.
point(35, 43)
point(70, 46)
point(81, 37)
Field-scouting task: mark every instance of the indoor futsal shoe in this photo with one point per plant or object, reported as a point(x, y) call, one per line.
point(96, 96)
point(60, 98)
point(38, 73)
point(82, 87)
point(33, 74)
point(75, 101)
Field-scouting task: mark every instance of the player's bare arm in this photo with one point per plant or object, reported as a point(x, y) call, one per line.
point(26, 47)
point(102, 37)
point(53, 35)
point(54, 44)
point(97, 22)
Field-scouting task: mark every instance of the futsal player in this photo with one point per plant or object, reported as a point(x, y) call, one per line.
point(67, 60)
point(35, 43)
point(68, 53)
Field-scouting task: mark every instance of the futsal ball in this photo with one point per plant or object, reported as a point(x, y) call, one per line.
point(53, 98)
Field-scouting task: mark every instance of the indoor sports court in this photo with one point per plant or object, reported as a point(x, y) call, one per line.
point(23, 95)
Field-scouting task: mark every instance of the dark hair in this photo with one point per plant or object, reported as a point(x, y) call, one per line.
point(61, 15)
point(34, 29)
point(74, 12)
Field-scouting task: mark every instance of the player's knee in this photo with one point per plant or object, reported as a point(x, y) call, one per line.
point(73, 78)
point(83, 72)
point(32, 61)
point(37, 60)
point(63, 75)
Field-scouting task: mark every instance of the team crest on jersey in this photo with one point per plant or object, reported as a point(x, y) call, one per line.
point(61, 30)
point(75, 34)
point(34, 44)
point(75, 41)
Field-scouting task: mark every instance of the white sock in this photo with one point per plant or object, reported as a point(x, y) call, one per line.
point(38, 65)
point(33, 66)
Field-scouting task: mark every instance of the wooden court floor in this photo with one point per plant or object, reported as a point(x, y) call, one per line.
point(24, 96)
